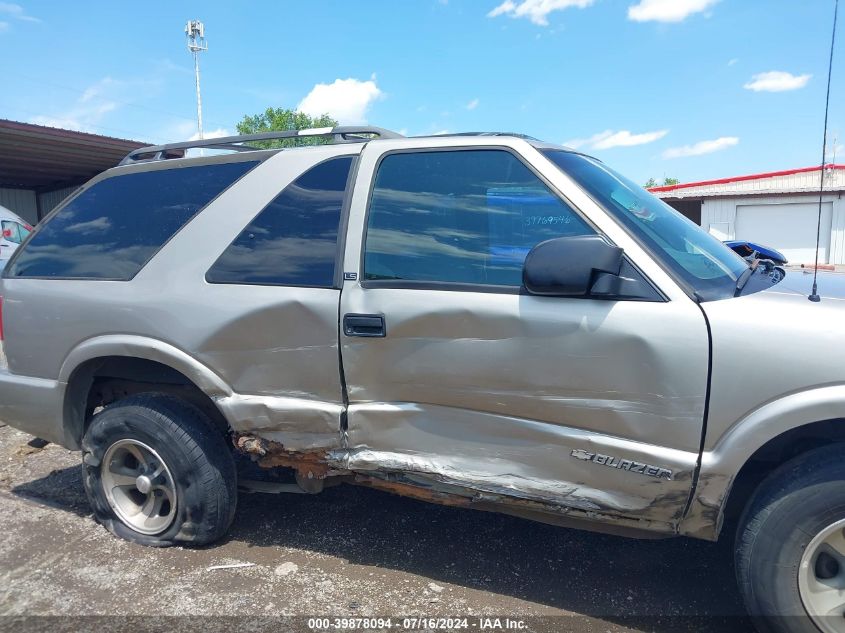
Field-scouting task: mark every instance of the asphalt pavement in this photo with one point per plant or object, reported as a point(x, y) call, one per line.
point(345, 553)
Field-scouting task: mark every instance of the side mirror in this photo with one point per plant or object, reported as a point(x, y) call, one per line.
point(579, 266)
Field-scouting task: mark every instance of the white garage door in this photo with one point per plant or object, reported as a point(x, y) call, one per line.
point(789, 228)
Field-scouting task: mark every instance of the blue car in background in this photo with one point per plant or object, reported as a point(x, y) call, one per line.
point(752, 250)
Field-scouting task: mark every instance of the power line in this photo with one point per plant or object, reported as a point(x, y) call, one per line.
point(136, 136)
point(130, 104)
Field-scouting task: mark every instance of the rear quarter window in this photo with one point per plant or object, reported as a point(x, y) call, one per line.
point(293, 240)
point(113, 228)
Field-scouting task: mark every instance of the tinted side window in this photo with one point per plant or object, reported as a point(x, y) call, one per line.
point(112, 229)
point(293, 241)
point(467, 216)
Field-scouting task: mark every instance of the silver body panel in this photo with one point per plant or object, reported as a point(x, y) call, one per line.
point(267, 355)
point(777, 365)
point(495, 391)
point(509, 398)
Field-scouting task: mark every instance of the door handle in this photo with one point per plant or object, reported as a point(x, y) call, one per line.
point(364, 325)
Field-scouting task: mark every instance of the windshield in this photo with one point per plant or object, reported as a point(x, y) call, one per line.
point(694, 257)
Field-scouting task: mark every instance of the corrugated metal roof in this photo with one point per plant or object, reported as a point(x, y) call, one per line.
point(40, 157)
point(803, 180)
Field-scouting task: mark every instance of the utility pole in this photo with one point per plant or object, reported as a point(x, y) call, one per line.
point(195, 32)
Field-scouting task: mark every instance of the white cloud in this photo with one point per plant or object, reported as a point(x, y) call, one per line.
point(178, 131)
point(16, 11)
point(776, 81)
point(206, 134)
point(733, 61)
point(576, 143)
point(4, 26)
point(60, 121)
point(165, 64)
point(702, 147)
point(440, 132)
point(347, 100)
point(536, 10)
point(96, 90)
point(86, 112)
point(622, 138)
point(667, 10)
point(472, 105)
point(78, 118)
point(94, 110)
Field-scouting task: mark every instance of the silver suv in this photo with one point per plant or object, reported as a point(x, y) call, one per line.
point(483, 320)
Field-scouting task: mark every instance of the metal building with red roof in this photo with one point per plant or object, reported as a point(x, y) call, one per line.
point(778, 209)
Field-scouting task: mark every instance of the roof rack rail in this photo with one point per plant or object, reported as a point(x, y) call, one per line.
point(340, 134)
point(513, 134)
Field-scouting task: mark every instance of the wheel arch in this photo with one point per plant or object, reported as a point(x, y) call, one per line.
point(136, 364)
point(756, 445)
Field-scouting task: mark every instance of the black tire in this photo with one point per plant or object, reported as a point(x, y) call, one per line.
point(793, 504)
point(197, 456)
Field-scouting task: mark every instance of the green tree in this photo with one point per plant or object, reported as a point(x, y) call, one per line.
point(666, 182)
point(281, 120)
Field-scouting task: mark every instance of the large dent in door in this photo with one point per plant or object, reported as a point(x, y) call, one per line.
point(519, 459)
point(505, 484)
point(438, 481)
point(584, 366)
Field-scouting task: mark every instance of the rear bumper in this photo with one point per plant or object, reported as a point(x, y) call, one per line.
point(33, 405)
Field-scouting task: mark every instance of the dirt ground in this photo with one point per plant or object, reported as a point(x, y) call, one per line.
point(348, 552)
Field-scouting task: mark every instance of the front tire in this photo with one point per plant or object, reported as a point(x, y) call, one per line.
point(157, 473)
point(790, 557)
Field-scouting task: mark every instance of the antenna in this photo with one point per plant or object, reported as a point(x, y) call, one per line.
point(814, 294)
point(195, 33)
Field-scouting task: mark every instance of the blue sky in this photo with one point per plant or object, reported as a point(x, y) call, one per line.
point(693, 89)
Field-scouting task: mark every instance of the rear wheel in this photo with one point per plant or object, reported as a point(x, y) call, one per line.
point(156, 472)
point(791, 546)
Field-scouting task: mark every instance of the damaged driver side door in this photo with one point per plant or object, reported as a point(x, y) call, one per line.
point(457, 376)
